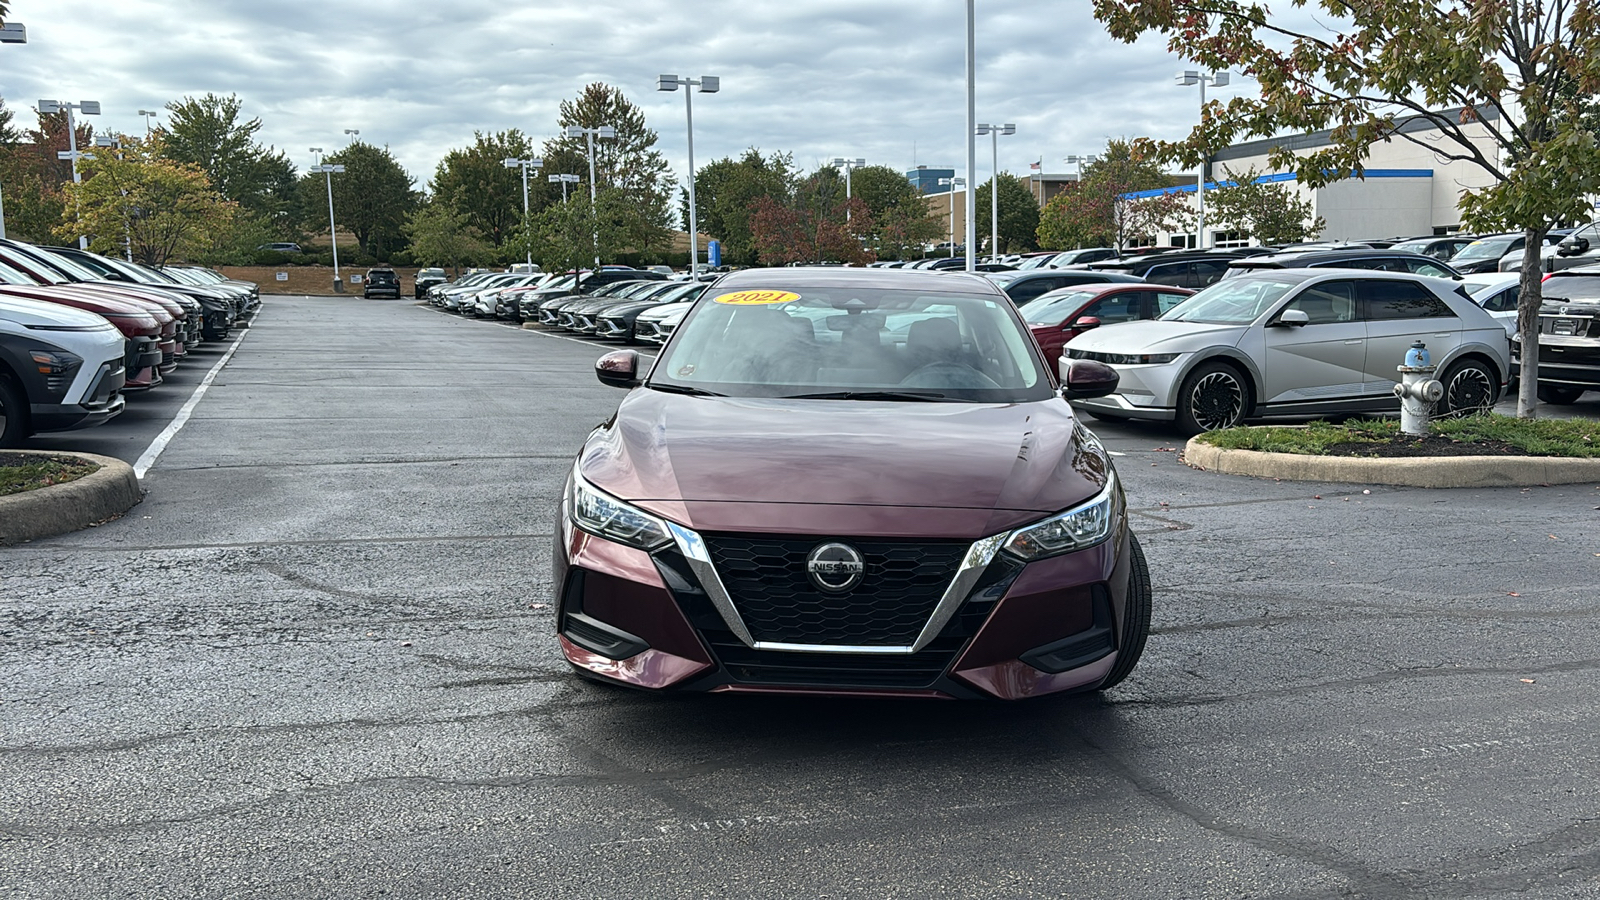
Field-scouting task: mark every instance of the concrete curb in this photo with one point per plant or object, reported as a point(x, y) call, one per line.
point(58, 509)
point(1422, 471)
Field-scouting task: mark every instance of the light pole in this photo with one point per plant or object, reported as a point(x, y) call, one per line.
point(994, 132)
point(115, 144)
point(565, 180)
point(953, 182)
point(589, 134)
point(10, 33)
point(89, 108)
point(333, 231)
point(1184, 79)
point(148, 115)
point(354, 133)
point(972, 125)
point(709, 84)
point(1080, 162)
point(525, 165)
point(848, 165)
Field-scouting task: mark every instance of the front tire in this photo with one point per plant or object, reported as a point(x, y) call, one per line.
point(1213, 397)
point(1135, 617)
point(1559, 396)
point(13, 414)
point(1470, 388)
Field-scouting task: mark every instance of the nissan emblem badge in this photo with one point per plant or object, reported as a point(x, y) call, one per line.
point(835, 568)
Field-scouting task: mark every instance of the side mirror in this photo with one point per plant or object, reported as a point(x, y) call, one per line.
point(1083, 379)
point(1293, 318)
point(1085, 323)
point(1573, 246)
point(619, 369)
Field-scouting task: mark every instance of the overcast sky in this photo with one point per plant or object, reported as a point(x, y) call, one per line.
point(879, 79)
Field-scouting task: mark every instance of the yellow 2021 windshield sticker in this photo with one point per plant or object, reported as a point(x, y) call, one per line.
point(755, 298)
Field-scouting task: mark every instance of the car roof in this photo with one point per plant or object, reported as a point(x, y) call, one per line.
point(881, 279)
point(1299, 258)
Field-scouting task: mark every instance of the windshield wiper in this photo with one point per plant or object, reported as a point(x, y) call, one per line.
point(684, 389)
point(928, 397)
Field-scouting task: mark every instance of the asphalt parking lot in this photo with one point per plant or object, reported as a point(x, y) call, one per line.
point(317, 661)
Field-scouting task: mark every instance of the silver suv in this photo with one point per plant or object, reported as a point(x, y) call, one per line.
point(1296, 342)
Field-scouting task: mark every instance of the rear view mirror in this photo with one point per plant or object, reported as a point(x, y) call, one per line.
point(619, 369)
point(1084, 379)
point(1293, 318)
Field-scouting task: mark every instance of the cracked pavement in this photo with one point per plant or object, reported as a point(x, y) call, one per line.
point(317, 661)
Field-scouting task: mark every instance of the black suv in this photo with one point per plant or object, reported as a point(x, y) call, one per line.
point(427, 278)
point(1569, 336)
point(1190, 270)
point(381, 283)
point(1347, 258)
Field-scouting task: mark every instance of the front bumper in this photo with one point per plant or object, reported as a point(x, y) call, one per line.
point(1011, 630)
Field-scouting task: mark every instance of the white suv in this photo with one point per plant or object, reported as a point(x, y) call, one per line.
point(60, 369)
point(1296, 342)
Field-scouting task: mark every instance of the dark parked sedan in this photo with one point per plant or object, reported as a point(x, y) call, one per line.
point(1024, 287)
point(1062, 315)
point(849, 481)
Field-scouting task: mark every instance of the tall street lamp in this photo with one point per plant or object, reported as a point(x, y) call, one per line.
point(525, 165)
point(355, 133)
point(1184, 79)
point(589, 134)
point(148, 115)
point(333, 231)
point(953, 183)
point(848, 165)
point(994, 132)
point(1080, 162)
point(115, 145)
point(88, 108)
point(709, 84)
point(10, 33)
point(565, 180)
point(972, 125)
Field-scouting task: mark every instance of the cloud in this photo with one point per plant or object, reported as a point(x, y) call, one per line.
point(880, 79)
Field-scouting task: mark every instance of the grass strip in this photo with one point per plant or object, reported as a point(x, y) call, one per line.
point(1578, 438)
point(19, 472)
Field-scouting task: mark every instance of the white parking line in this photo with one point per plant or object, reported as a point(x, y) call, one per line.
point(153, 452)
point(559, 337)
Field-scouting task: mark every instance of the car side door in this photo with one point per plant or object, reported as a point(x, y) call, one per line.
point(1398, 313)
point(1323, 360)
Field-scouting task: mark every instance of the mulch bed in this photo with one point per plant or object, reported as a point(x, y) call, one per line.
point(1433, 445)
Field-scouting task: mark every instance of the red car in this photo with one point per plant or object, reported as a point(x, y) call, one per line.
point(849, 481)
point(1063, 314)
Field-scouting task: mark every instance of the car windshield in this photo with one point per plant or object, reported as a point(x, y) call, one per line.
point(1234, 301)
point(1488, 249)
point(1054, 308)
point(1579, 288)
point(853, 343)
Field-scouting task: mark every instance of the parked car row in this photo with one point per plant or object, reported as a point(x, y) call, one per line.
point(79, 332)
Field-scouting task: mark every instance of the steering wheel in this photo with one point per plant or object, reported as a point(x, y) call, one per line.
point(948, 374)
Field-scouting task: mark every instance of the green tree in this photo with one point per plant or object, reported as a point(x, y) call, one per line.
point(629, 163)
point(726, 191)
point(476, 183)
point(817, 224)
point(153, 207)
point(372, 197)
point(564, 236)
point(1019, 215)
point(1269, 212)
point(1505, 87)
point(902, 224)
point(442, 236)
point(208, 132)
point(1096, 212)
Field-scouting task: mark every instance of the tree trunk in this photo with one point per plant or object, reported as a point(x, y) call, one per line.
point(1529, 299)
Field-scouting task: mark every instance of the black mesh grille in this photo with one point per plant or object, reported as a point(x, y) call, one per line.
point(767, 580)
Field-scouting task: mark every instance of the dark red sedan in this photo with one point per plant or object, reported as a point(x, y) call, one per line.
point(1061, 315)
point(849, 481)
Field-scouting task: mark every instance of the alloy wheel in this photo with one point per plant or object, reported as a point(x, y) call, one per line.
point(1217, 401)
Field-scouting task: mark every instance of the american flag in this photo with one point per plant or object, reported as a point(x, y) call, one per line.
point(1035, 165)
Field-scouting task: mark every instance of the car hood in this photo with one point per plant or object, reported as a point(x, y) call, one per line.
point(955, 470)
point(1155, 336)
point(28, 312)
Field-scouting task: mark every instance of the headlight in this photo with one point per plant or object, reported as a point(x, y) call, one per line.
point(1142, 359)
point(605, 516)
point(1077, 528)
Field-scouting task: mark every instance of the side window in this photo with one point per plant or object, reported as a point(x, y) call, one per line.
point(1123, 307)
point(1426, 268)
point(1387, 299)
point(1206, 271)
point(1174, 274)
point(1165, 301)
point(1030, 290)
point(1382, 264)
point(1505, 301)
point(1328, 303)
